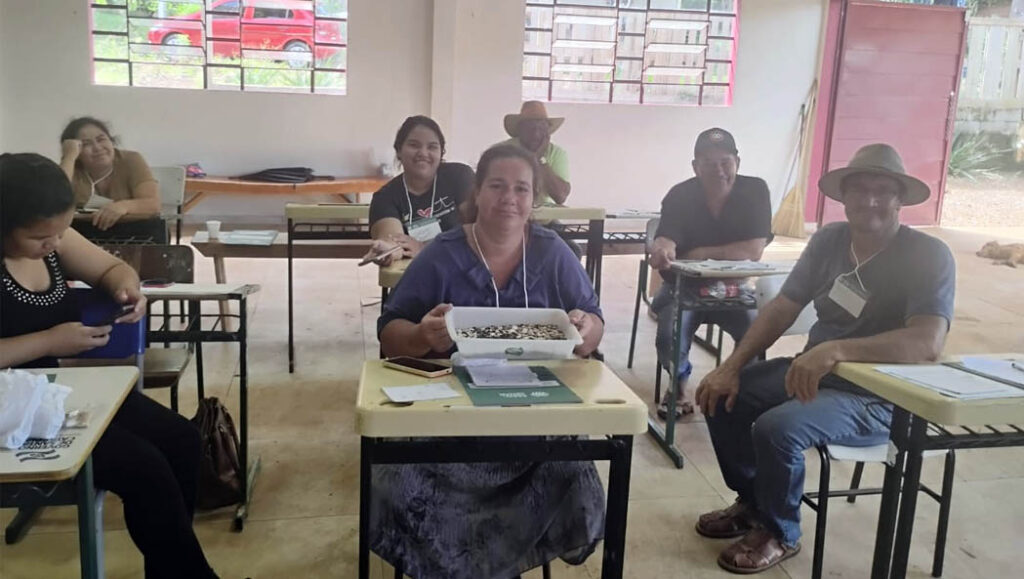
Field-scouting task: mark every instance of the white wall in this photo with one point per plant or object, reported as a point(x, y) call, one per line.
point(46, 82)
point(459, 60)
point(629, 155)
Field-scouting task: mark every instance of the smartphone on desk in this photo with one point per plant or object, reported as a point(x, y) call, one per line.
point(417, 366)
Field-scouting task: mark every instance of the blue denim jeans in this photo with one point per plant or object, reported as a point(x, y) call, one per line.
point(735, 323)
point(760, 443)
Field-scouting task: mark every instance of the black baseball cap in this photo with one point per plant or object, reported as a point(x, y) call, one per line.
point(715, 139)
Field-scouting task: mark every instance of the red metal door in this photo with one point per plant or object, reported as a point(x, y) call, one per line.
point(899, 72)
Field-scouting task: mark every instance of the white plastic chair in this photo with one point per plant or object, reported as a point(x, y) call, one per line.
point(172, 194)
point(765, 290)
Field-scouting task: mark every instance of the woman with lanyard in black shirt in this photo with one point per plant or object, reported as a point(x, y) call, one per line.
point(148, 455)
point(424, 200)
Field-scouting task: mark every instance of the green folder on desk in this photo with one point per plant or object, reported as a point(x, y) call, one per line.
point(519, 396)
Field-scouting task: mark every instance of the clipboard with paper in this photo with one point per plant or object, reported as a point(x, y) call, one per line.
point(551, 390)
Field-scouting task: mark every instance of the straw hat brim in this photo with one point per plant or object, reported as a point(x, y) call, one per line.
point(915, 191)
point(512, 123)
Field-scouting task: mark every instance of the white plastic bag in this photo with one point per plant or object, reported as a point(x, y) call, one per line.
point(20, 395)
point(49, 416)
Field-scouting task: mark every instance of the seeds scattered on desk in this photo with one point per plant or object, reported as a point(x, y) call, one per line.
point(514, 332)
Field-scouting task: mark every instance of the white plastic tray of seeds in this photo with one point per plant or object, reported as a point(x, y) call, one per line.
point(524, 333)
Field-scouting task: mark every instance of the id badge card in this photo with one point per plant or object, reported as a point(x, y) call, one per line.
point(424, 230)
point(846, 293)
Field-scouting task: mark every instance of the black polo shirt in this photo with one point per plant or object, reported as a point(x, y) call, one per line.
point(686, 219)
point(455, 183)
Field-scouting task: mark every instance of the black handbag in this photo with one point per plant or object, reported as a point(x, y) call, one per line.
point(281, 175)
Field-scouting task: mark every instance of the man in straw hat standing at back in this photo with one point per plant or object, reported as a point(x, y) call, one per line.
point(531, 129)
point(883, 293)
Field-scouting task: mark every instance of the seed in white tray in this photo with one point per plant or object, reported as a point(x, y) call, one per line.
point(514, 332)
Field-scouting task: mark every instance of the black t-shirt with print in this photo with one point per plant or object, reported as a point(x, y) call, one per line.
point(454, 185)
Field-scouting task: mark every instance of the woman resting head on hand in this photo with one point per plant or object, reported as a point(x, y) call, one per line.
point(116, 184)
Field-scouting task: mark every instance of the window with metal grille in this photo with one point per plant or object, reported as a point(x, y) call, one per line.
point(295, 46)
point(673, 52)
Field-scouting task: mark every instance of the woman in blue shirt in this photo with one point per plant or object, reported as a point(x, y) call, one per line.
point(487, 520)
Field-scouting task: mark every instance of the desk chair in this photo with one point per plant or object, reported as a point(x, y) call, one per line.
point(126, 341)
point(174, 263)
point(818, 500)
point(708, 341)
point(172, 195)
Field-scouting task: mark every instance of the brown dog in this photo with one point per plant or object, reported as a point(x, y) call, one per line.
point(1010, 254)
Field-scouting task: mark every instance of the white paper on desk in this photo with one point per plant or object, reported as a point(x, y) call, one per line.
point(96, 202)
point(192, 288)
point(1001, 369)
point(419, 392)
point(951, 382)
point(263, 237)
point(727, 265)
point(503, 375)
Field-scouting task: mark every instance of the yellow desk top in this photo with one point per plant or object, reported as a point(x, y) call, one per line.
point(101, 390)
point(931, 405)
point(608, 407)
point(327, 211)
point(549, 212)
point(388, 276)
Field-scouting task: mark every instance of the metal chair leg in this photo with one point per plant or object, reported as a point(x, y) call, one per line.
point(822, 514)
point(546, 570)
point(858, 471)
point(657, 383)
point(19, 525)
point(718, 348)
point(174, 397)
point(641, 283)
point(200, 386)
point(944, 507)
point(398, 572)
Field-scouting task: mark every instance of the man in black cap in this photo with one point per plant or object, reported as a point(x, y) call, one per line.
point(715, 215)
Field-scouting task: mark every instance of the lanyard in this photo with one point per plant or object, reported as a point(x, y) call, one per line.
point(93, 184)
point(408, 199)
point(858, 264)
point(497, 301)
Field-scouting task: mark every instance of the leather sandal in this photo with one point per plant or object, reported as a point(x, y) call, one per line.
point(729, 523)
point(758, 550)
point(683, 408)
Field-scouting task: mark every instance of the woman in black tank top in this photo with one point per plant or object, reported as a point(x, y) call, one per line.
point(148, 456)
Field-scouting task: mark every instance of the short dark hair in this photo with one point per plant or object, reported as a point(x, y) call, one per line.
point(71, 131)
point(32, 188)
point(496, 153)
point(417, 121)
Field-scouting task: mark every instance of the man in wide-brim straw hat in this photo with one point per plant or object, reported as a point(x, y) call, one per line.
point(883, 293)
point(531, 128)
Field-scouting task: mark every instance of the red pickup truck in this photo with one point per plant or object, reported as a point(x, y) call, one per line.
point(235, 26)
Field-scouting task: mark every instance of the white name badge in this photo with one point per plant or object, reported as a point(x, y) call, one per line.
point(425, 230)
point(848, 295)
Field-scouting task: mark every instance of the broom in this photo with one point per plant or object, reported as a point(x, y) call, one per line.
point(789, 220)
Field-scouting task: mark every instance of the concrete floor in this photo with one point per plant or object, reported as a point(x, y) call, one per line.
point(303, 518)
